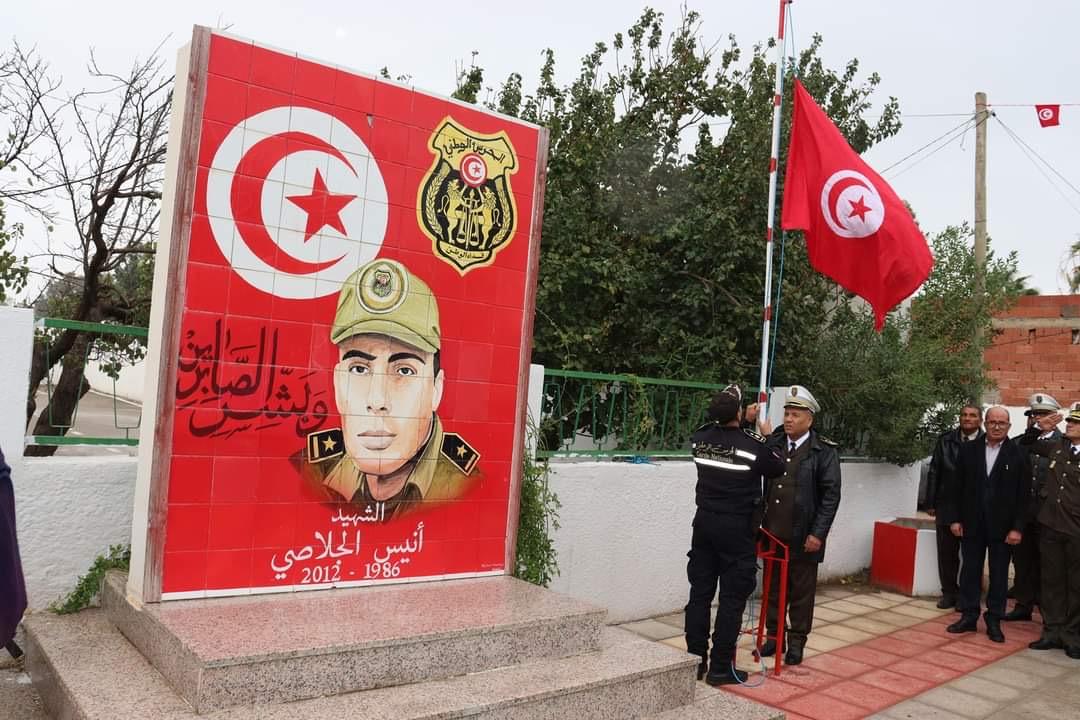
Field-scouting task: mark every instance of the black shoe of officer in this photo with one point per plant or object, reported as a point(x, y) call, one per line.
point(947, 602)
point(728, 676)
point(1018, 613)
point(963, 625)
point(768, 649)
point(993, 631)
point(1045, 643)
point(1073, 651)
point(793, 656)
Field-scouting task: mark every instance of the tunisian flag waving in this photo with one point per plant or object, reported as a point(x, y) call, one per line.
point(858, 232)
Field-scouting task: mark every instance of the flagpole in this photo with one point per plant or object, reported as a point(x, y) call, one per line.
point(773, 166)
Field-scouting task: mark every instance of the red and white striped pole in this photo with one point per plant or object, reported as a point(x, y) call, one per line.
point(773, 163)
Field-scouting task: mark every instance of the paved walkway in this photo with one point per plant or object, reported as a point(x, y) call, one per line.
point(882, 655)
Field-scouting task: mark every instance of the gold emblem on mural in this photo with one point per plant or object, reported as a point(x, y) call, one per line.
point(465, 203)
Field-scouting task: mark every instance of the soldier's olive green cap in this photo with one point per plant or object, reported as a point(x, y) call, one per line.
point(384, 297)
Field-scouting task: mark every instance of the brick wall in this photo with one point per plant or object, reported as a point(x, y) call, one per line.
point(1036, 347)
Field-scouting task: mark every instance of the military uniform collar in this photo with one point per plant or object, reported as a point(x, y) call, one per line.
point(346, 479)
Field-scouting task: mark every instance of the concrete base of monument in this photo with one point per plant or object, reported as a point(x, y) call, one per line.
point(483, 648)
point(284, 647)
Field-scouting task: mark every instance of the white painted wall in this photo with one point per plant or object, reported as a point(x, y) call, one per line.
point(68, 511)
point(625, 529)
point(17, 330)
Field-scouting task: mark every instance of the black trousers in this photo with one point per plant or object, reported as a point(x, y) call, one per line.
point(975, 548)
point(948, 561)
point(801, 588)
point(1060, 554)
point(1025, 557)
point(722, 556)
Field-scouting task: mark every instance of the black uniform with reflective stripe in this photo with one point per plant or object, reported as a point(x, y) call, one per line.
point(730, 464)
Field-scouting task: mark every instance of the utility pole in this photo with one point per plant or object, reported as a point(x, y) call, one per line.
point(981, 116)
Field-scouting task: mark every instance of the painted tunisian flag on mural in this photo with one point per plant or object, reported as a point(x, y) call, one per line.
point(858, 232)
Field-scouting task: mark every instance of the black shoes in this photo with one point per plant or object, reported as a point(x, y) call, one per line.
point(963, 625)
point(947, 602)
point(768, 649)
point(793, 656)
point(1073, 651)
point(1018, 613)
point(993, 631)
point(1045, 644)
point(729, 676)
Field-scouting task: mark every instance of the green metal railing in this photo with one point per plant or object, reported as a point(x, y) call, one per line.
point(93, 354)
point(585, 414)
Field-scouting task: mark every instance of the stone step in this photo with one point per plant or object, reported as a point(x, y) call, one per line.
point(84, 669)
point(278, 648)
point(710, 704)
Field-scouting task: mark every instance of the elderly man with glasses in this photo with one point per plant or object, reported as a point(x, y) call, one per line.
point(988, 511)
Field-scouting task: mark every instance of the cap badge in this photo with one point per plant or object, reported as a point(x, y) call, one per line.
point(382, 287)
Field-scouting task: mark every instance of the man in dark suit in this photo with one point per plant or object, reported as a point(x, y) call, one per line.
point(988, 510)
point(939, 492)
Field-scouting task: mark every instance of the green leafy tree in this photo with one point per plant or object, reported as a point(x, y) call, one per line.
point(652, 258)
point(889, 395)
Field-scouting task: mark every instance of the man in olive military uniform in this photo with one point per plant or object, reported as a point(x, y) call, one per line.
point(1025, 558)
point(731, 463)
point(1059, 531)
point(799, 510)
point(391, 453)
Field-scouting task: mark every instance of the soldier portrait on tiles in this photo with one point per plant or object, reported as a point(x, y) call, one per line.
point(391, 453)
point(731, 463)
point(799, 510)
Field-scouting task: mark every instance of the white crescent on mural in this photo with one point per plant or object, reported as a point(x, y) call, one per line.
point(296, 202)
point(1046, 114)
point(851, 205)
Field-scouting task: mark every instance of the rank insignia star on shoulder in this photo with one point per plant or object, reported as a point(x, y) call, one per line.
point(325, 445)
point(459, 452)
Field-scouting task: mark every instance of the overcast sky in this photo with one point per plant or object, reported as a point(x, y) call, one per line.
point(933, 55)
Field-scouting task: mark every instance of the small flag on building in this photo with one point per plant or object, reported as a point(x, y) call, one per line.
point(1049, 115)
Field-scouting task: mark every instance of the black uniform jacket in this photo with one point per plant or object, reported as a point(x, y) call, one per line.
point(817, 492)
point(942, 471)
point(730, 465)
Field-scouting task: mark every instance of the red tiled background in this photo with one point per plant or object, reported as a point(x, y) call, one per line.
point(235, 499)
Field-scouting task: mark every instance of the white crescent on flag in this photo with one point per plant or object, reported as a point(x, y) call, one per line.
point(296, 202)
point(851, 205)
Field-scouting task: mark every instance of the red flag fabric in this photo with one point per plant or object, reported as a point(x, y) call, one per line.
point(1049, 115)
point(858, 231)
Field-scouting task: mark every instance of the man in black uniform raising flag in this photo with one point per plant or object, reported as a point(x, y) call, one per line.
point(731, 463)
